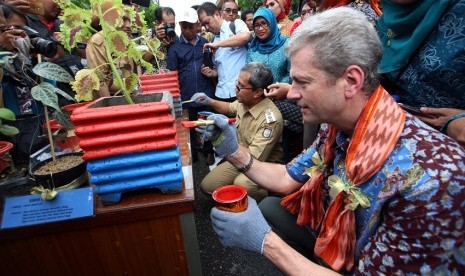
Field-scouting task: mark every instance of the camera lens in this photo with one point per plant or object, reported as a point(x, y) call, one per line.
point(44, 47)
point(169, 30)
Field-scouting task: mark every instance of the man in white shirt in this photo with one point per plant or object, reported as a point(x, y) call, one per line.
point(229, 46)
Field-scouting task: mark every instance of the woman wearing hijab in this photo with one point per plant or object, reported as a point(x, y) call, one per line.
point(268, 46)
point(280, 9)
point(423, 59)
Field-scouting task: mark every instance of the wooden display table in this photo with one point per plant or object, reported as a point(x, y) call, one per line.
point(147, 233)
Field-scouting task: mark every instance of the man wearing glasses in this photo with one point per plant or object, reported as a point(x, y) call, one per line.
point(229, 48)
point(259, 127)
point(229, 10)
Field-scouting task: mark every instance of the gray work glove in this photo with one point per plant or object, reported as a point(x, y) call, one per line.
point(223, 135)
point(201, 99)
point(246, 229)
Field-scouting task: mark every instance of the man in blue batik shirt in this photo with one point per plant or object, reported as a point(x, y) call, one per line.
point(186, 56)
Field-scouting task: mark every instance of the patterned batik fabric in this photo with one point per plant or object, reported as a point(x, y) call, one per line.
point(415, 223)
point(435, 75)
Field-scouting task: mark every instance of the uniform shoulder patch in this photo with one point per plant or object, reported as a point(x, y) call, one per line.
point(267, 132)
point(269, 115)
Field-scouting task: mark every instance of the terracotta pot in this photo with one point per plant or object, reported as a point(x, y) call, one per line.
point(5, 159)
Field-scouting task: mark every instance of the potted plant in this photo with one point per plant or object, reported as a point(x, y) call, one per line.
point(129, 141)
point(62, 172)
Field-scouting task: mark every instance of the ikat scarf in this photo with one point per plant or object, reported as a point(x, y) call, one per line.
point(375, 136)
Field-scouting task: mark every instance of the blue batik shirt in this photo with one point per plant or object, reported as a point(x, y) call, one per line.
point(416, 219)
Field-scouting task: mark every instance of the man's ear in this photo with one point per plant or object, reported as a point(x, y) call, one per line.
point(259, 92)
point(354, 78)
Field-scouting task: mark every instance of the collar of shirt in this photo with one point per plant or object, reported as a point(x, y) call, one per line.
point(257, 109)
point(342, 141)
point(182, 39)
point(225, 30)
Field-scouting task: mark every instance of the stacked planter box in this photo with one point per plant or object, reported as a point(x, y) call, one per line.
point(162, 82)
point(130, 147)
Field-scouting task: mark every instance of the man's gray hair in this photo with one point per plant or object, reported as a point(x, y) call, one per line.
point(340, 37)
point(260, 74)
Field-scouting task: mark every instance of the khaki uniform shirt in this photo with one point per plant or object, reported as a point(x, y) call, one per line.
point(95, 55)
point(260, 135)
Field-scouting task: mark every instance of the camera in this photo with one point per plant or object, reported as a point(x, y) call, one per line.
point(169, 30)
point(41, 46)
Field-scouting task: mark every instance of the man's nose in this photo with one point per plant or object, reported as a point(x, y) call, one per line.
point(293, 93)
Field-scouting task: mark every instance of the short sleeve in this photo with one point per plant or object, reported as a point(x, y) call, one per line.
point(240, 26)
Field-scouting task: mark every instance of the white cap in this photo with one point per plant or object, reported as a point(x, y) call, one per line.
point(189, 15)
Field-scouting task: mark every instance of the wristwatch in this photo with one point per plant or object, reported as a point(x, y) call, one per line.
point(248, 166)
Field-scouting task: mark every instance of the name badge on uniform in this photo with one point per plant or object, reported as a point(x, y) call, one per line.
point(267, 132)
point(269, 115)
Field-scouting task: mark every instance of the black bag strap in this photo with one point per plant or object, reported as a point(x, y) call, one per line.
point(232, 26)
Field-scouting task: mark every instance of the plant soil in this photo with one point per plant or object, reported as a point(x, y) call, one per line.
point(61, 163)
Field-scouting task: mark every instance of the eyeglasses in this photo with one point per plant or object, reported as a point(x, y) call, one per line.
point(262, 24)
point(229, 11)
point(271, 4)
point(238, 88)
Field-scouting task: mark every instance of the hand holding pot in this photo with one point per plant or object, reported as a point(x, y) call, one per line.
point(245, 229)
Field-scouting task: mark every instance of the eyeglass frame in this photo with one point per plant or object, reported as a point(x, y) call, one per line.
point(264, 26)
point(231, 11)
point(239, 88)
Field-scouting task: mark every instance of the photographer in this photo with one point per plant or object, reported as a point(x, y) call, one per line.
point(19, 79)
point(165, 24)
point(44, 20)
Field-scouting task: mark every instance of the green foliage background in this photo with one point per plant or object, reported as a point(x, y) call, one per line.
point(255, 4)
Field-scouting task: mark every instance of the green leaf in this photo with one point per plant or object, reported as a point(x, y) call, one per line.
point(64, 94)
point(119, 42)
point(52, 71)
point(7, 114)
point(8, 130)
point(130, 82)
point(45, 93)
point(63, 119)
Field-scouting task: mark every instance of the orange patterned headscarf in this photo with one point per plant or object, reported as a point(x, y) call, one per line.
point(375, 136)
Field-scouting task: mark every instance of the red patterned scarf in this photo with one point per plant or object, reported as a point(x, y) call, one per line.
point(375, 136)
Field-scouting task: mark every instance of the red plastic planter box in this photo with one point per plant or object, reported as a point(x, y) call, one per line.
point(161, 82)
point(109, 126)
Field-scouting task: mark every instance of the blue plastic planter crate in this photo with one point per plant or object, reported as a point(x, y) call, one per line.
point(160, 169)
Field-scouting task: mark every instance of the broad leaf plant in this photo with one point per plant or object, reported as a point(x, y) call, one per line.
point(77, 27)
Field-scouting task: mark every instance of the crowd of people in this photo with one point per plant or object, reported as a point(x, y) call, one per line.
point(340, 177)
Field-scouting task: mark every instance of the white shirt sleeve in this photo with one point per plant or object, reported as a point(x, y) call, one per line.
point(240, 26)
